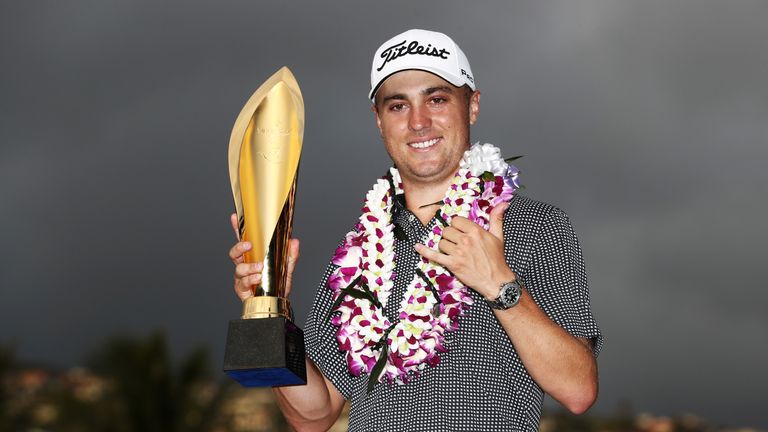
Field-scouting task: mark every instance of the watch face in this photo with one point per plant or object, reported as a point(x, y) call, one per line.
point(508, 297)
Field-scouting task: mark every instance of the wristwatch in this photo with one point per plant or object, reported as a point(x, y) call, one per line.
point(508, 296)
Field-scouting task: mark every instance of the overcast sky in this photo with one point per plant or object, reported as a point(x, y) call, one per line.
point(646, 121)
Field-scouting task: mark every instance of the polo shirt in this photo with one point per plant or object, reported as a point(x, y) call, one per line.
point(480, 384)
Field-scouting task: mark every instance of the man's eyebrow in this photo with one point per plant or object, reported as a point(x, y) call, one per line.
point(398, 96)
point(430, 90)
point(426, 92)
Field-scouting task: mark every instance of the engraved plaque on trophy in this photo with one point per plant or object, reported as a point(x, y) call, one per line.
point(264, 347)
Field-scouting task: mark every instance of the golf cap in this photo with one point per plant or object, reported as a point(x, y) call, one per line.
point(423, 50)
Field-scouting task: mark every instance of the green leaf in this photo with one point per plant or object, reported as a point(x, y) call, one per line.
point(431, 204)
point(440, 218)
point(383, 338)
point(436, 309)
point(362, 295)
point(378, 368)
point(354, 282)
point(335, 304)
point(382, 361)
point(340, 298)
point(429, 284)
point(392, 190)
point(488, 176)
point(372, 298)
point(513, 158)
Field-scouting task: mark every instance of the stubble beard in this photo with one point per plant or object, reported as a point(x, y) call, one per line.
point(437, 175)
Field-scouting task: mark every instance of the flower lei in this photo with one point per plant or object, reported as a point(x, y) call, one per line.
point(434, 299)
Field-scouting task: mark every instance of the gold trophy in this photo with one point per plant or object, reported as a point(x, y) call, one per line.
point(264, 347)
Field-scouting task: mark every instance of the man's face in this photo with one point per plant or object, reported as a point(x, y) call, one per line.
point(424, 121)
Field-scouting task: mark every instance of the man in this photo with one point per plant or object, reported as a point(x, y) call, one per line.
point(525, 326)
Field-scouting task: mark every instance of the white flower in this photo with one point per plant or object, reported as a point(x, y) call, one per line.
point(484, 157)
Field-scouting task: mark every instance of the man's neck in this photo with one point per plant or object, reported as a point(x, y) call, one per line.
point(423, 199)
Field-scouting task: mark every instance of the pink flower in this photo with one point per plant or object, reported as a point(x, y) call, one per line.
point(360, 362)
point(446, 282)
point(342, 337)
point(348, 256)
point(416, 356)
point(342, 277)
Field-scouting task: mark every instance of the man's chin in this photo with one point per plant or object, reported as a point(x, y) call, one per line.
point(435, 175)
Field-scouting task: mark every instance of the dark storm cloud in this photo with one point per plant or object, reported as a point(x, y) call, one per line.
point(645, 121)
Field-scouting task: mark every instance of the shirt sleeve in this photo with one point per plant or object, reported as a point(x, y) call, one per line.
point(320, 339)
point(557, 280)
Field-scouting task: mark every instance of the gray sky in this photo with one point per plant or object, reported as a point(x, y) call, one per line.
point(645, 121)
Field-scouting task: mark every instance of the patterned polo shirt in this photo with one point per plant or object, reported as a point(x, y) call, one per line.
point(480, 384)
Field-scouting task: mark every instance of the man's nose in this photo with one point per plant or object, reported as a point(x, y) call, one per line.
point(418, 118)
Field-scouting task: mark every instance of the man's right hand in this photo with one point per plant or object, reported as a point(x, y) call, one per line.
point(316, 406)
point(248, 275)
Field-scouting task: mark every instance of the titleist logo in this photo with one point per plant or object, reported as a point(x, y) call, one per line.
point(401, 49)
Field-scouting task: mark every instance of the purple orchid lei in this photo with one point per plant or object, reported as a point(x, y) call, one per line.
point(434, 299)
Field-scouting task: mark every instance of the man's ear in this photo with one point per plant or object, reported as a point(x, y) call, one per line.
point(376, 113)
point(474, 106)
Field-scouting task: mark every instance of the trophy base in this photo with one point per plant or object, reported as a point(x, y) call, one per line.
point(265, 352)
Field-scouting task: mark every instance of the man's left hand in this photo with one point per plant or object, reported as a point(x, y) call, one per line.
point(475, 256)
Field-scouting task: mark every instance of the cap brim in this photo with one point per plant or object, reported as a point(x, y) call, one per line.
point(451, 78)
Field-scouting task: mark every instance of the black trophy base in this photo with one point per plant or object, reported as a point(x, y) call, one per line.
point(265, 352)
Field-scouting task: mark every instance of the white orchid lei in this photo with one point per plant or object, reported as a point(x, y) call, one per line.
point(434, 299)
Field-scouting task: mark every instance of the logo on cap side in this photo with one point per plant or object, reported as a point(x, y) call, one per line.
point(401, 49)
point(469, 77)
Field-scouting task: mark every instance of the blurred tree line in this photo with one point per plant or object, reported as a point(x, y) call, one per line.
point(131, 384)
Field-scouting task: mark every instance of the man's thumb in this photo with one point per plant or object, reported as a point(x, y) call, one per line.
point(496, 224)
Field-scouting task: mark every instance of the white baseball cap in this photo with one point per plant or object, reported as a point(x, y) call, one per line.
point(423, 50)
